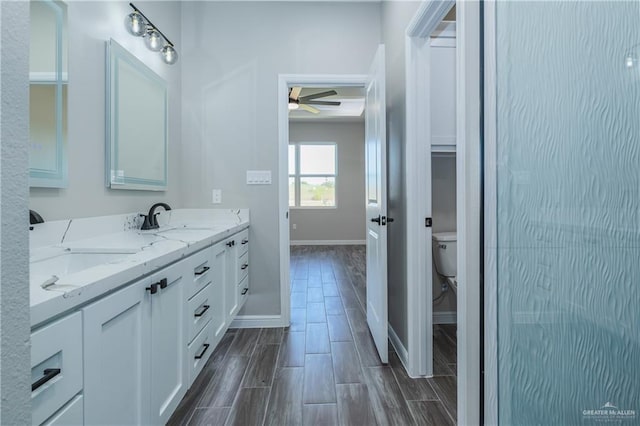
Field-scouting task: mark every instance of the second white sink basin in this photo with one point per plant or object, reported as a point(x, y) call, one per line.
point(72, 262)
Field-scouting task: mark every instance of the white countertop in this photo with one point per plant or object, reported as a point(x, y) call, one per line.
point(133, 254)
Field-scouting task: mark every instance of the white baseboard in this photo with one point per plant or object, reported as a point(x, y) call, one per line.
point(327, 242)
point(447, 317)
point(399, 347)
point(257, 321)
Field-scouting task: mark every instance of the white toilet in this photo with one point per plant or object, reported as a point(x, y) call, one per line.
point(445, 256)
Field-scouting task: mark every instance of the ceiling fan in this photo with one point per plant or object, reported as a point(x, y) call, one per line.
point(304, 102)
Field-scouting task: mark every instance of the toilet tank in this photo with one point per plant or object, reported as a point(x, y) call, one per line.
point(445, 249)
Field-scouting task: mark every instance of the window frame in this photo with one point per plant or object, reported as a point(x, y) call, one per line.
point(297, 176)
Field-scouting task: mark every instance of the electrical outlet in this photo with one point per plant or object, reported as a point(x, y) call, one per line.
point(295, 226)
point(216, 196)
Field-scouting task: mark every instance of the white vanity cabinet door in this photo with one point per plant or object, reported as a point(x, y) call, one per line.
point(56, 366)
point(219, 322)
point(231, 278)
point(169, 374)
point(116, 357)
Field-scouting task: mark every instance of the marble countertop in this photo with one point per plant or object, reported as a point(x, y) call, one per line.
point(120, 257)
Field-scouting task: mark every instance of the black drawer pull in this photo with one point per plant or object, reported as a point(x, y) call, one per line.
point(163, 283)
point(153, 288)
point(245, 266)
point(230, 243)
point(201, 354)
point(245, 241)
point(245, 291)
point(202, 271)
point(205, 308)
point(49, 374)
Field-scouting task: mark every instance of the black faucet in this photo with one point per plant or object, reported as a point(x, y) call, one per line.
point(34, 218)
point(150, 221)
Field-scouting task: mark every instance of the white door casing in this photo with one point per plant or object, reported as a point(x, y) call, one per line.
point(376, 203)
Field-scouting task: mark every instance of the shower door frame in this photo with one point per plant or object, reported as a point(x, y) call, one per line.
point(490, 225)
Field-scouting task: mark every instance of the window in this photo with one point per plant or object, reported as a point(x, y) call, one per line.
point(312, 174)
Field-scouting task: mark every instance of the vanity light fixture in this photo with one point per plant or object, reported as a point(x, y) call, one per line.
point(140, 26)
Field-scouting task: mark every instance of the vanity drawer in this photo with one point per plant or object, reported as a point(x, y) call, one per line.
point(243, 242)
point(243, 292)
point(56, 366)
point(243, 266)
point(199, 351)
point(199, 311)
point(201, 268)
point(71, 414)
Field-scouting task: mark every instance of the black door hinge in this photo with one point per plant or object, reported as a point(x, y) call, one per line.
point(428, 222)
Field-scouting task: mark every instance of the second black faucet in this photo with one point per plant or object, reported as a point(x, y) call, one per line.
point(150, 221)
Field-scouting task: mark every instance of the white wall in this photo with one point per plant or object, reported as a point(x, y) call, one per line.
point(347, 220)
point(15, 397)
point(91, 24)
point(232, 55)
point(395, 18)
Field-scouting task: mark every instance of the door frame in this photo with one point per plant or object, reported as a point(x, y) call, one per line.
point(468, 198)
point(284, 82)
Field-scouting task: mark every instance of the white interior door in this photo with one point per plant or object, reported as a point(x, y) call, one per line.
point(376, 195)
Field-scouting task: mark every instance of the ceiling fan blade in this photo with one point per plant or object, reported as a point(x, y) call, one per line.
point(319, 95)
point(309, 109)
point(294, 92)
point(334, 103)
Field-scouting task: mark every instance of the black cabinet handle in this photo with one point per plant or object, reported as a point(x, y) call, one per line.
point(233, 243)
point(245, 266)
point(376, 219)
point(153, 288)
point(244, 291)
point(230, 243)
point(205, 308)
point(202, 271)
point(49, 374)
point(163, 283)
point(201, 354)
point(245, 241)
point(390, 219)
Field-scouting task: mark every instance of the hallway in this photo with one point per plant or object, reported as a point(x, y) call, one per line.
point(324, 368)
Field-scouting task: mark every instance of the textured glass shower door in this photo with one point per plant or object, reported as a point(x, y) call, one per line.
point(568, 212)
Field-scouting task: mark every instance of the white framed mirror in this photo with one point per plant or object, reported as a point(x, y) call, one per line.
point(48, 83)
point(137, 117)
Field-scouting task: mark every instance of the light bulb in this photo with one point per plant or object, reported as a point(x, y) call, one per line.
point(135, 24)
point(293, 105)
point(154, 40)
point(629, 61)
point(169, 54)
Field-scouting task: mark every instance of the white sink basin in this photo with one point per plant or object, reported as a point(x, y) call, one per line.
point(181, 233)
point(72, 262)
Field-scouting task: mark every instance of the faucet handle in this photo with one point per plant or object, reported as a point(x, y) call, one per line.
point(147, 222)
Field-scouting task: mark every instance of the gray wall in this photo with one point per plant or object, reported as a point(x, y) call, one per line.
point(15, 397)
point(395, 18)
point(90, 25)
point(443, 211)
point(347, 220)
point(232, 55)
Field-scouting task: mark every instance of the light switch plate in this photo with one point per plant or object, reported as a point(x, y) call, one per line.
point(258, 177)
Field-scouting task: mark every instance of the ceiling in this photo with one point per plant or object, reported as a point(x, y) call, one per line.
point(351, 108)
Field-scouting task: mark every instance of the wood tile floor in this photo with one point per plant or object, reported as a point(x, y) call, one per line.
point(323, 369)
